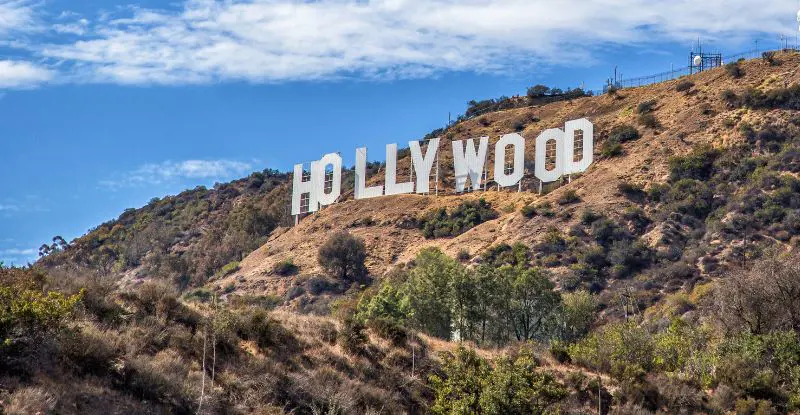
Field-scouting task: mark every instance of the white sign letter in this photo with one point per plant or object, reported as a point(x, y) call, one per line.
point(515, 176)
point(392, 187)
point(300, 187)
point(556, 135)
point(423, 165)
point(468, 163)
point(587, 150)
point(361, 191)
point(334, 160)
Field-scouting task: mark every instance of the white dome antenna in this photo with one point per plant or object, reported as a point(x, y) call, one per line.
point(698, 60)
point(798, 18)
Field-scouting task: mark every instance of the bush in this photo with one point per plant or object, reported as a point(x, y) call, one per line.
point(228, 269)
point(696, 165)
point(352, 337)
point(31, 312)
point(257, 325)
point(623, 133)
point(528, 211)
point(513, 385)
point(769, 58)
point(610, 148)
point(624, 350)
point(568, 197)
point(632, 191)
point(646, 106)
point(785, 98)
point(285, 268)
point(467, 215)
point(684, 85)
point(343, 256)
point(648, 120)
point(729, 97)
point(389, 330)
point(734, 70)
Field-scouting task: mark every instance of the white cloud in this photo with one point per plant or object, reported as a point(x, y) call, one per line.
point(22, 74)
point(8, 207)
point(16, 15)
point(18, 256)
point(170, 172)
point(18, 252)
point(278, 40)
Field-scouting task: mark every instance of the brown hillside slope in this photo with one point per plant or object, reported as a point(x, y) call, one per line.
point(686, 119)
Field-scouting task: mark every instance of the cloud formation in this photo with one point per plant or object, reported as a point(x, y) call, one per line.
point(172, 172)
point(21, 74)
point(202, 41)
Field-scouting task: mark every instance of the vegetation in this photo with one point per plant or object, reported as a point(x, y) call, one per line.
point(734, 70)
point(684, 85)
point(343, 256)
point(439, 223)
point(513, 385)
point(679, 295)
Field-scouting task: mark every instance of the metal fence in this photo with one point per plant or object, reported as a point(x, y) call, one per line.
point(677, 73)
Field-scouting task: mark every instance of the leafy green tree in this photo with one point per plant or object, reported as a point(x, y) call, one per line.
point(532, 301)
point(390, 302)
point(516, 387)
point(29, 312)
point(489, 323)
point(457, 390)
point(578, 313)
point(429, 290)
point(464, 300)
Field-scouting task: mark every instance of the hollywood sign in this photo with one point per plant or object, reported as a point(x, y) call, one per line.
point(469, 163)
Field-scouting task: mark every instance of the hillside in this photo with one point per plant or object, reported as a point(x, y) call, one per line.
point(686, 120)
point(664, 279)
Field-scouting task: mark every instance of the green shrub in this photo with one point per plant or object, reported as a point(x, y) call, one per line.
point(610, 148)
point(624, 350)
point(285, 268)
point(32, 312)
point(467, 215)
point(623, 133)
point(696, 165)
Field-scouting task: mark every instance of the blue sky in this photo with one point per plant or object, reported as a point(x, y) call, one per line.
point(106, 104)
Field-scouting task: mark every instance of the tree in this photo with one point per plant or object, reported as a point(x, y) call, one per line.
point(538, 91)
point(532, 301)
point(764, 298)
point(343, 256)
point(515, 387)
point(429, 289)
point(578, 312)
point(458, 388)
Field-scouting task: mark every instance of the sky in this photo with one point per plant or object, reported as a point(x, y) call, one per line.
point(105, 104)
